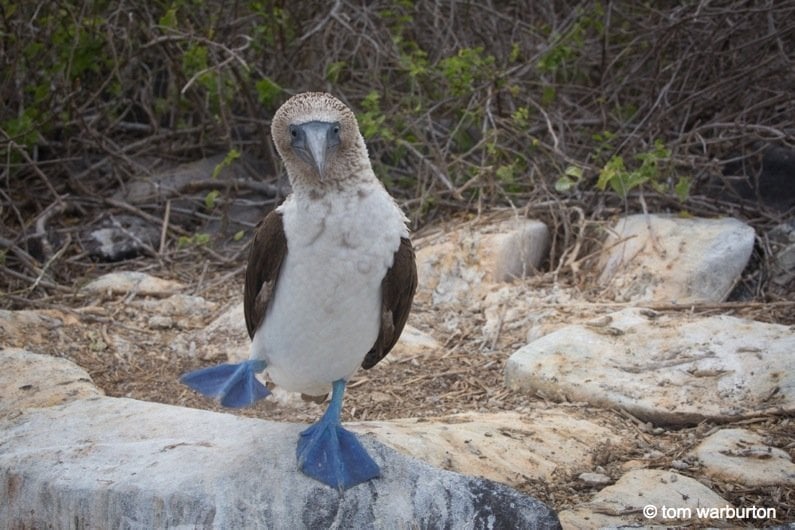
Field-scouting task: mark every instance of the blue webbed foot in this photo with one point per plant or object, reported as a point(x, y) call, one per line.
point(235, 385)
point(329, 453)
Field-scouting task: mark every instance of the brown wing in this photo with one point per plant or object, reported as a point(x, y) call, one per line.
point(265, 258)
point(397, 288)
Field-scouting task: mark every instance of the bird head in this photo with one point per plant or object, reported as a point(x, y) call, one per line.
point(318, 139)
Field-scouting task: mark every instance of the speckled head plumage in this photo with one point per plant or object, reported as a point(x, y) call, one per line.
point(318, 139)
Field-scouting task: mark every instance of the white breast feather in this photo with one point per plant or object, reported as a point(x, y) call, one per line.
point(326, 310)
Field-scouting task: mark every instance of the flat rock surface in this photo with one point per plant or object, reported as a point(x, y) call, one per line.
point(742, 457)
point(118, 462)
point(666, 369)
point(28, 380)
point(132, 282)
point(464, 262)
point(623, 503)
point(508, 447)
point(669, 259)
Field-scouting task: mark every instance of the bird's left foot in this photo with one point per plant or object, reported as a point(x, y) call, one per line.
point(333, 455)
point(329, 453)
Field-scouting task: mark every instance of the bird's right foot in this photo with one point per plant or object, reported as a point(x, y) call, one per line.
point(235, 385)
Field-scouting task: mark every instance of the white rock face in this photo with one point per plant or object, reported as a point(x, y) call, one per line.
point(666, 369)
point(739, 456)
point(132, 282)
point(622, 504)
point(659, 258)
point(72, 458)
point(461, 264)
point(226, 337)
point(508, 447)
point(33, 328)
point(31, 380)
point(121, 463)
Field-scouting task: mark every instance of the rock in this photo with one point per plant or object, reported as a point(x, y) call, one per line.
point(163, 184)
point(184, 311)
point(226, 337)
point(658, 258)
point(514, 307)
point(179, 305)
point(595, 479)
point(516, 249)
point(674, 499)
point(120, 237)
point(117, 462)
point(132, 282)
point(414, 342)
point(506, 447)
point(461, 263)
point(33, 328)
point(160, 322)
point(738, 456)
point(231, 191)
point(30, 380)
point(671, 369)
point(782, 243)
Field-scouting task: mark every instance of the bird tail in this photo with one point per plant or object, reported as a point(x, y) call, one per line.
point(235, 385)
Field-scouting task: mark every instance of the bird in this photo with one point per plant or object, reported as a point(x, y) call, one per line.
point(329, 283)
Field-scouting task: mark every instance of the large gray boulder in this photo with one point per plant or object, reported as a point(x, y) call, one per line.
point(101, 462)
point(670, 369)
point(661, 258)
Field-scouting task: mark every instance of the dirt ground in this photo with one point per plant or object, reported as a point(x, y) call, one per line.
point(465, 376)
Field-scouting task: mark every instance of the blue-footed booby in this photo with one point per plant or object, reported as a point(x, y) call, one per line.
point(329, 283)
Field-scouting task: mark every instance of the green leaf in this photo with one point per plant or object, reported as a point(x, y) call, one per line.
point(506, 173)
point(564, 184)
point(230, 157)
point(210, 198)
point(169, 18)
point(334, 70)
point(610, 171)
point(267, 90)
point(682, 187)
point(239, 235)
point(574, 171)
point(548, 95)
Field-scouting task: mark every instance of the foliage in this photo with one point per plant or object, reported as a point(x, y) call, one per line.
point(463, 105)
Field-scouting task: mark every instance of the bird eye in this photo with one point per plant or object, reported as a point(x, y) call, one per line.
point(293, 132)
point(337, 129)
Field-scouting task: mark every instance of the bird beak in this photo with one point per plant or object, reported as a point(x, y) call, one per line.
point(313, 141)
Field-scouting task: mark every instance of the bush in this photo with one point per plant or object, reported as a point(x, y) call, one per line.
point(463, 105)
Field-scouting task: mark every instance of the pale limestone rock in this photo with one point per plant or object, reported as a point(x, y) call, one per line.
point(123, 463)
point(595, 479)
point(658, 258)
point(460, 264)
point(30, 380)
point(508, 447)
point(738, 456)
point(140, 283)
point(33, 329)
point(672, 369)
point(160, 322)
point(622, 504)
point(226, 337)
point(516, 250)
point(179, 305)
point(414, 342)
